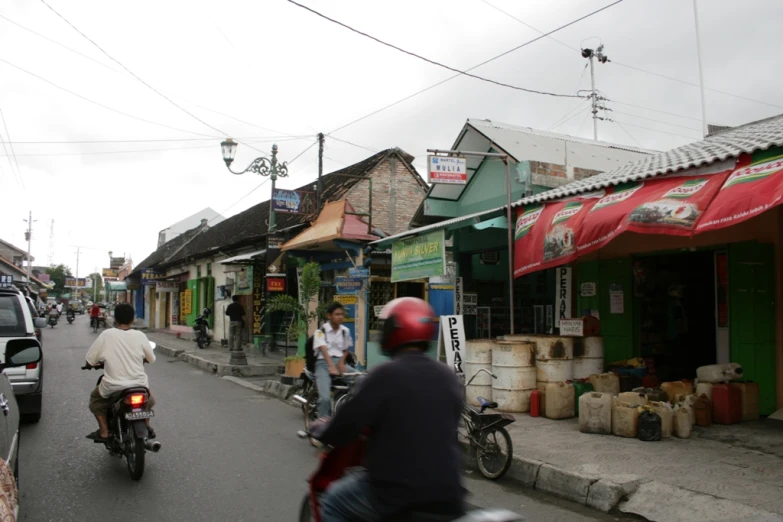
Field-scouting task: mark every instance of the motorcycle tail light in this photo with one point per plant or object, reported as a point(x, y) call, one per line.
point(136, 399)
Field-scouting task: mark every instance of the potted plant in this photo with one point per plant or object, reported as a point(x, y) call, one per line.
point(294, 366)
point(305, 314)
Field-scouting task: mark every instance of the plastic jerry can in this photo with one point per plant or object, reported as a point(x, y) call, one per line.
point(703, 410)
point(664, 411)
point(605, 383)
point(633, 398)
point(649, 426)
point(715, 373)
point(750, 399)
point(675, 388)
point(682, 422)
point(595, 413)
point(726, 404)
point(625, 420)
point(704, 388)
point(690, 402)
point(580, 388)
point(559, 400)
point(535, 403)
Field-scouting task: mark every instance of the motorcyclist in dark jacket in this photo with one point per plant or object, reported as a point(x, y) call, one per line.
point(412, 406)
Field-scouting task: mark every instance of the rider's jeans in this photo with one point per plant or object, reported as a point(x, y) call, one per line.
point(350, 499)
point(324, 383)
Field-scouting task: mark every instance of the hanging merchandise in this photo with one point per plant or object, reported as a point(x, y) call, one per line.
point(649, 426)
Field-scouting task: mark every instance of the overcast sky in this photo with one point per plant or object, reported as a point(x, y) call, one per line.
point(288, 74)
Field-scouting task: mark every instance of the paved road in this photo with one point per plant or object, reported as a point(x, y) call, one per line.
point(228, 453)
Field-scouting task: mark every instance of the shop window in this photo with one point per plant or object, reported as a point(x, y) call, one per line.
point(209, 269)
point(198, 271)
point(381, 292)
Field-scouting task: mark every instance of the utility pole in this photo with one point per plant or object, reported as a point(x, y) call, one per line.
point(76, 274)
point(95, 285)
point(591, 54)
point(705, 127)
point(320, 170)
point(29, 236)
point(51, 244)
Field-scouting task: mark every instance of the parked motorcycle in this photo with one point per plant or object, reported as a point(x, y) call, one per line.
point(127, 426)
point(332, 466)
point(487, 434)
point(201, 328)
point(52, 321)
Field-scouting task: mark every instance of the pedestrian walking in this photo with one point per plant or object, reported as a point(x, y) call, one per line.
point(235, 313)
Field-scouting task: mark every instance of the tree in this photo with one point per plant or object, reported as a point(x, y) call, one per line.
point(97, 280)
point(310, 285)
point(57, 274)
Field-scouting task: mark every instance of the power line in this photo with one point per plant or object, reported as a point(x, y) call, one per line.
point(109, 152)
point(354, 144)
point(571, 117)
point(13, 153)
point(657, 121)
point(102, 105)
point(654, 110)
point(685, 82)
point(656, 130)
point(428, 60)
point(161, 140)
point(389, 106)
point(8, 156)
point(628, 133)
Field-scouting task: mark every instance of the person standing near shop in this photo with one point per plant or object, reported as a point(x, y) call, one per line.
point(235, 313)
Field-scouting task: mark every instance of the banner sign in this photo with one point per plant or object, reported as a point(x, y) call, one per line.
point(419, 257)
point(275, 284)
point(73, 282)
point(448, 170)
point(348, 285)
point(185, 303)
point(110, 272)
point(755, 186)
point(452, 341)
point(116, 262)
point(175, 308)
point(150, 276)
point(259, 300)
point(293, 201)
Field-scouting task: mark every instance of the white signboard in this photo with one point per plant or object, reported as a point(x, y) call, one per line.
point(616, 300)
point(470, 303)
point(448, 170)
point(588, 290)
point(458, 299)
point(563, 294)
point(571, 327)
point(378, 309)
point(452, 336)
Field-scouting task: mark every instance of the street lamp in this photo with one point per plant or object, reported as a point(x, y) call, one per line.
point(262, 166)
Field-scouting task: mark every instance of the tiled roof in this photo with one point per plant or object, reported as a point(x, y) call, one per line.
point(250, 226)
point(166, 249)
point(759, 135)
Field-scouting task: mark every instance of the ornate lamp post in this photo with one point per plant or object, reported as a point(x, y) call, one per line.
point(262, 166)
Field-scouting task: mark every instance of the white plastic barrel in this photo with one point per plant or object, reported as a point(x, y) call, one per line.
point(588, 357)
point(478, 355)
point(514, 365)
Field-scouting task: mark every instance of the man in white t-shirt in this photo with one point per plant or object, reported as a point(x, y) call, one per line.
point(123, 353)
point(331, 345)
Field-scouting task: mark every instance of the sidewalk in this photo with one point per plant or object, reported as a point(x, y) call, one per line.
point(675, 479)
point(215, 359)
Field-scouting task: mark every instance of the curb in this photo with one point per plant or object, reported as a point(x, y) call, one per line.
point(250, 370)
point(271, 388)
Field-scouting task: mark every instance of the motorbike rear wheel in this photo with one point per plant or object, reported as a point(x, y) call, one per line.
point(310, 411)
point(201, 342)
point(306, 510)
point(135, 454)
point(493, 462)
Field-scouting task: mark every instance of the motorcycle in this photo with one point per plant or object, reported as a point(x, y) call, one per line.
point(52, 319)
point(70, 316)
point(201, 328)
point(127, 426)
point(333, 464)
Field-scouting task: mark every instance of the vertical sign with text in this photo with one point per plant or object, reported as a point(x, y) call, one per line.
point(458, 289)
point(563, 295)
point(259, 296)
point(452, 340)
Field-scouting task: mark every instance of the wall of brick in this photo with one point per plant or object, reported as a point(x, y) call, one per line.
point(584, 173)
point(548, 169)
point(396, 195)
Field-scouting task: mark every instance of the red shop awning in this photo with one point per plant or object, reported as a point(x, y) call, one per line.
point(754, 187)
point(558, 232)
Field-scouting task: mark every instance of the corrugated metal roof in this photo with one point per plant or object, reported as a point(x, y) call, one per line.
point(438, 226)
point(751, 137)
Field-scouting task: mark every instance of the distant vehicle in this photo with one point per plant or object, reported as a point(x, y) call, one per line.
point(17, 321)
point(78, 307)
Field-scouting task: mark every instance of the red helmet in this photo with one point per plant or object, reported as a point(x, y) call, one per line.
point(406, 320)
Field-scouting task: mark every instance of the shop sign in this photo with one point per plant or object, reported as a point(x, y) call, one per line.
point(470, 303)
point(116, 262)
point(150, 276)
point(275, 284)
point(185, 303)
point(44, 278)
point(244, 281)
point(563, 297)
point(571, 327)
point(616, 299)
point(175, 308)
point(110, 272)
point(259, 299)
point(452, 341)
point(293, 201)
point(166, 286)
point(458, 298)
point(359, 272)
point(6, 280)
point(348, 285)
point(588, 289)
point(419, 257)
point(346, 300)
point(378, 309)
point(448, 170)
point(74, 282)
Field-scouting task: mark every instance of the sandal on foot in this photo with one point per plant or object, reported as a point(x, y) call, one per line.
point(96, 436)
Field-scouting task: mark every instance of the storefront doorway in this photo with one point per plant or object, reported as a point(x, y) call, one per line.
point(677, 302)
